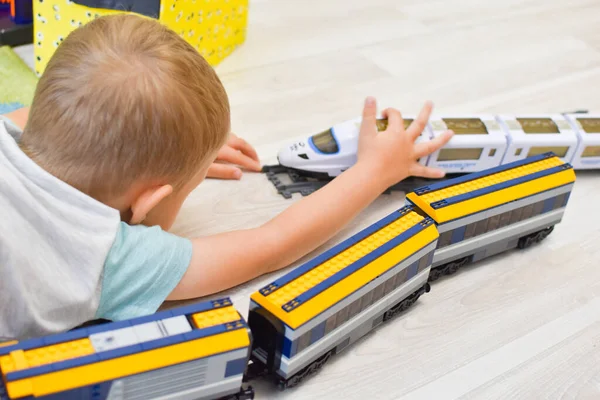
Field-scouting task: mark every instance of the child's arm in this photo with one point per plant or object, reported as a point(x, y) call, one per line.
point(222, 261)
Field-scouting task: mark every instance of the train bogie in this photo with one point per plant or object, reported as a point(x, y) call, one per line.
point(478, 143)
point(486, 213)
point(531, 135)
point(587, 128)
point(320, 308)
point(193, 352)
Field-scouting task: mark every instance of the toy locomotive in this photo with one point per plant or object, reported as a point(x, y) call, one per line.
point(480, 142)
point(312, 313)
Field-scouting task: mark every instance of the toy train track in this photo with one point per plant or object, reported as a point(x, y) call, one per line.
point(288, 181)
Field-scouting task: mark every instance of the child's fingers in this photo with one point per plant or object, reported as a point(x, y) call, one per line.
point(426, 148)
point(426, 172)
point(395, 122)
point(231, 155)
point(223, 171)
point(243, 146)
point(417, 126)
point(369, 117)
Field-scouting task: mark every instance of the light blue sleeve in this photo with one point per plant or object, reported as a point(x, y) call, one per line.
point(142, 268)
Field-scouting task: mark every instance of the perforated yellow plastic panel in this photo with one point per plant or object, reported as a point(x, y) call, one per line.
point(344, 259)
point(215, 317)
point(213, 27)
point(19, 359)
point(468, 197)
point(490, 180)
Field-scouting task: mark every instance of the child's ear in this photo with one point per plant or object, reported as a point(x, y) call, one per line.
point(147, 200)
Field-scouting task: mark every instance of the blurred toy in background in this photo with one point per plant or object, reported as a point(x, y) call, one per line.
point(215, 28)
point(16, 22)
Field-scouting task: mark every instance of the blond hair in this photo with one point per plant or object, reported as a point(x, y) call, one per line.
point(125, 99)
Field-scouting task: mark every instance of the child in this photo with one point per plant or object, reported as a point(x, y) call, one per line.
point(126, 121)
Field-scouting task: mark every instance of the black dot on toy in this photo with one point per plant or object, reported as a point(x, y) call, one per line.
point(39, 58)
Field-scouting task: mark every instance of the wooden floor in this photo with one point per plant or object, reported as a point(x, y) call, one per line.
point(522, 325)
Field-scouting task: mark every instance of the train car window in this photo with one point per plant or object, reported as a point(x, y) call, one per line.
point(538, 125)
point(303, 341)
point(444, 239)
point(537, 208)
point(560, 200)
point(330, 324)
point(470, 230)
point(527, 211)
point(481, 227)
point(590, 125)
point(493, 223)
point(342, 316)
point(591, 151)
point(378, 293)
point(515, 215)
point(492, 153)
point(466, 126)
point(459, 154)
point(366, 301)
point(560, 151)
point(423, 263)
point(504, 219)
point(354, 309)
point(382, 123)
point(518, 152)
point(389, 286)
point(325, 142)
point(401, 277)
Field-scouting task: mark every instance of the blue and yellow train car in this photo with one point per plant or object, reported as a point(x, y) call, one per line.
point(192, 352)
point(312, 313)
point(488, 212)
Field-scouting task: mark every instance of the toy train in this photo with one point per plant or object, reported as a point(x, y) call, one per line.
point(312, 313)
point(480, 142)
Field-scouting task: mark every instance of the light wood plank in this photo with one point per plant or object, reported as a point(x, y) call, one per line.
point(524, 324)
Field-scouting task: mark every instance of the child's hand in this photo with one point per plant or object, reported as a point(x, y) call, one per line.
point(392, 155)
point(238, 152)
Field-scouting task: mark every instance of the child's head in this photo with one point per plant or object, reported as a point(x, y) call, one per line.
point(127, 111)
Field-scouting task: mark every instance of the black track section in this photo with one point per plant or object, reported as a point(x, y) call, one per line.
point(305, 183)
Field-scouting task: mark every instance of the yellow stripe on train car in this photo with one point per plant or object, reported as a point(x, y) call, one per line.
point(56, 382)
point(345, 287)
point(4, 344)
point(494, 199)
point(344, 259)
point(218, 316)
point(19, 360)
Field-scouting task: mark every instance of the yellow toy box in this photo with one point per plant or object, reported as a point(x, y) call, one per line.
point(214, 27)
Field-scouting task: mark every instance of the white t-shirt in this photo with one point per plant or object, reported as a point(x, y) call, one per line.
point(66, 258)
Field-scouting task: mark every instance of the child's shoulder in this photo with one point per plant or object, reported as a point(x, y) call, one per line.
point(142, 268)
